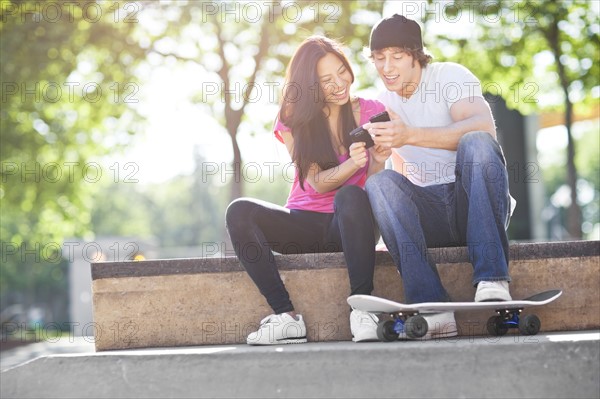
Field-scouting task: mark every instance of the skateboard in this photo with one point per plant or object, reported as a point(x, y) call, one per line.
point(408, 319)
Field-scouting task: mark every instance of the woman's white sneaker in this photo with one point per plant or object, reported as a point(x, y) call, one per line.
point(363, 326)
point(279, 329)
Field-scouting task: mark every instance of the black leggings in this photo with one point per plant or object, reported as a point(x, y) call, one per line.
point(258, 228)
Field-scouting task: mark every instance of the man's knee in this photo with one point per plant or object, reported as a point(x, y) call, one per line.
point(388, 186)
point(479, 147)
point(379, 180)
point(476, 139)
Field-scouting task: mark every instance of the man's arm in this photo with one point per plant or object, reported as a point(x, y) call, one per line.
point(468, 115)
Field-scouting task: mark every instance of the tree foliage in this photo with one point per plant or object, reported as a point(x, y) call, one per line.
point(506, 46)
point(243, 48)
point(63, 95)
point(184, 211)
point(67, 75)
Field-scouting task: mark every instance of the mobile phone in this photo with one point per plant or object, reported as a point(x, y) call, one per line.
point(361, 135)
point(380, 117)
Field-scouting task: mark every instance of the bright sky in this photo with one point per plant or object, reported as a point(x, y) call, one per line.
point(175, 127)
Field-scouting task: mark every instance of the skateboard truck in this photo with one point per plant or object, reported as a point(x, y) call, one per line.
point(410, 323)
point(414, 325)
point(510, 318)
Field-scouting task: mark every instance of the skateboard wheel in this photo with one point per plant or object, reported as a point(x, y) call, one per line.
point(529, 324)
point(386, 332)
point(416, 326)
point(496, 326)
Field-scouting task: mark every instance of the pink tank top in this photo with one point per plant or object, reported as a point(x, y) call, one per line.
point(310, 200)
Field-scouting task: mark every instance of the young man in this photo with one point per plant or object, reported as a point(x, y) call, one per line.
point(449, 186)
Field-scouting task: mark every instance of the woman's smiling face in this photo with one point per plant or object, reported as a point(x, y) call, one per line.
point(335, 79)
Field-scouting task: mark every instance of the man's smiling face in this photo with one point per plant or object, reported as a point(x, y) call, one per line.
point(398, 70)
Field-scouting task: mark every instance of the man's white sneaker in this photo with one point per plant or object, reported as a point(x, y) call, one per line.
point(492, 291)
point(439, 325)
point(363, 326)
point(279, 329)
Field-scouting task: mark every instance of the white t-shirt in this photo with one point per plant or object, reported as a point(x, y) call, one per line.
point(442, 84)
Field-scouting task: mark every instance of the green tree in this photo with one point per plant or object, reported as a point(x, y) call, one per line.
point(588, 166)
point(506, 41)
point(186, 210)
point(568, 30)
point(243, 48)
point(67, 78)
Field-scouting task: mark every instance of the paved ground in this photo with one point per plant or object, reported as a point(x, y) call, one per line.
point(21, 354)
point(557, 365)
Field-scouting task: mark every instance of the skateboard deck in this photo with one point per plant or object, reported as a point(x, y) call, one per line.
point(373, 304)
point(508, 313)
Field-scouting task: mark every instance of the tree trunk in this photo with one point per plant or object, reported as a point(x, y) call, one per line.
point(233, 118)
point(236, 183)
point(574, 211)
point(573, 223)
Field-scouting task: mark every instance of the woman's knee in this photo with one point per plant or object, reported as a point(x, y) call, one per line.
point(350, 196)
point(238, 211)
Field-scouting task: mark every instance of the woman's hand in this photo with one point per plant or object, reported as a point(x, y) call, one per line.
point(380, 154)
point(359, 154)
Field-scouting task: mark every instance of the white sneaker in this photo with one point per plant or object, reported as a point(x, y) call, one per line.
point(363, 326)
point(279, 329)
point(492, 291)
point(439, 325)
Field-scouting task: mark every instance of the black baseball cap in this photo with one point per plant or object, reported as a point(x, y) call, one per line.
point(396, 31)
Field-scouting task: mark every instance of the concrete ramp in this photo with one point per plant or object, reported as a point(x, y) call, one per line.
point(556, 365)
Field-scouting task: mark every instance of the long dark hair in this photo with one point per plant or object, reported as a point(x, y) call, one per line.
point(303, 104)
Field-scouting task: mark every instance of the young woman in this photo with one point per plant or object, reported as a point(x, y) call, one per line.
point(327, 209)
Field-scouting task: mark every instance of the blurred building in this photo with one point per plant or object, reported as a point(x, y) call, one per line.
point(81, 254)
point(517, 135)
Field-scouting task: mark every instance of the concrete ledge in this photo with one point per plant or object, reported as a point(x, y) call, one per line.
point(182, 302)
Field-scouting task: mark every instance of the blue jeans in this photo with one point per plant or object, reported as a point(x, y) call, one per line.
point(472, 211)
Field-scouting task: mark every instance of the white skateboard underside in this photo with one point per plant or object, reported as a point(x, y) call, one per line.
point(375, 304)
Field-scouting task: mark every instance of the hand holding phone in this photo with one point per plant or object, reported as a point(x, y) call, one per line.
point(380, 117)
point(360, 134)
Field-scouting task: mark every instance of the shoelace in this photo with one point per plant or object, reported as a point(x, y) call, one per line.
point(367, 318)
point(266, 320)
